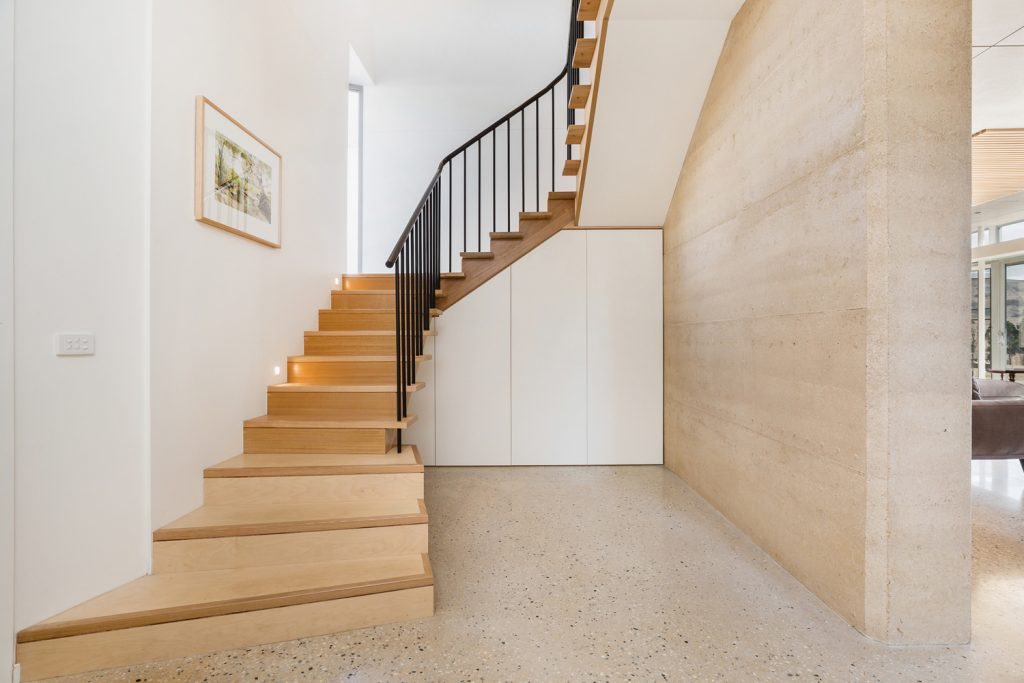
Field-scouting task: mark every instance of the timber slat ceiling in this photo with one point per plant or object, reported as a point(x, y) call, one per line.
point(997, 164)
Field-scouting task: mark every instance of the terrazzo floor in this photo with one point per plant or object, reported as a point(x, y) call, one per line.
point(625, 574)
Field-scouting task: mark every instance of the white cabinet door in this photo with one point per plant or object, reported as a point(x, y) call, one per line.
point(549, 353)
point(473, 413)
point(624, 347)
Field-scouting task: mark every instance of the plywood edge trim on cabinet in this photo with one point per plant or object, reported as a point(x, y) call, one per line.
point(616, 227)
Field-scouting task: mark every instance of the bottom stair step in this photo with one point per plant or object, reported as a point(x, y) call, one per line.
point(172, 615)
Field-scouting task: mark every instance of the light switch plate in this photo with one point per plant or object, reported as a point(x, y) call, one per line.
point(76, 344)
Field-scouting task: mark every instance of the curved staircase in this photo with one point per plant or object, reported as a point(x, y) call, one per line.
point(320, 524)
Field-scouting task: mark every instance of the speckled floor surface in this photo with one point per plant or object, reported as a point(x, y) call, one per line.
point(624, 574)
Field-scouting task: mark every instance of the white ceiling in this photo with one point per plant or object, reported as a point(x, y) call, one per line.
point(998, 64)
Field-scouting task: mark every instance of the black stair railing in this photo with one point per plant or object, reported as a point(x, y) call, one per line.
point(451, 209)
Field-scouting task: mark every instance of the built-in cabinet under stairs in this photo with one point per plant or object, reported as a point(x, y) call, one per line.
point(319, 526)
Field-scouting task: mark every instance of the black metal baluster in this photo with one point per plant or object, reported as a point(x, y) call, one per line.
point(451, 246)
point(536, 153)
point(479, 194)
point(494, 181)
point(522, 158)
point(464, 246)
point(552, 139)
point(508, 175)
point(398, 363)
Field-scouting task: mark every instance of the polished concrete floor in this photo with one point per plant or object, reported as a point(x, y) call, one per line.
point(624, 574)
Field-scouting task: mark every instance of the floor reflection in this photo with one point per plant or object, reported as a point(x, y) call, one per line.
point(998, 482)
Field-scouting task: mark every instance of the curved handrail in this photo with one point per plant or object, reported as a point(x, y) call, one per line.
point(416, 258)
point(477, 138)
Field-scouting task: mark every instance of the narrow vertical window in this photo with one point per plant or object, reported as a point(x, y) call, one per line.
point(354, 228)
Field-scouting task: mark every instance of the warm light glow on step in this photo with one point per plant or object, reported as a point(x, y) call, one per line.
point(277, 370)
point(337, 281)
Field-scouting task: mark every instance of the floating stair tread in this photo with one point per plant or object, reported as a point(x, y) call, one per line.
point(567, 195)
point(317, 464)
point(350, 359)
point(221, 521)
point(574, 136)
point(579, 96)
point(359, 333)
point(506, 236)
point(583, 54)
point(588, 10)
point(572, 167)
point(343, 388)
point(534, 215)
point(177, 596)
point(453, 276)
point(476, 255)
point(319, 422)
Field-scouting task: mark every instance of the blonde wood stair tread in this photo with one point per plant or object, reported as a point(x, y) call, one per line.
point(317, 464)
point(572, 167)
point(453, 276)
point(360, 333)
point(179, 596)
point(343, 388)
point(351, 359)
point(574, 135)
point(224, 521)
point(583, 55)
point(318, 422)
point(476, 255)
point(588, 10)
point(579, 96)
point(363, 292)
point(506, 236)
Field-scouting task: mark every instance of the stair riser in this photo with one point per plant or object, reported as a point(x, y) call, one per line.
point(288, 548)
point(355, 406)
point(326, 489)
point(342, 372)
point(368, 283)
point(363, 345)
point(341, 321)
point(340, 301)
point(310, 440)
point(124, 647)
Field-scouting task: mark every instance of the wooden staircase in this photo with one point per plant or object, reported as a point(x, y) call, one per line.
point(319, 526)
point(508, 247)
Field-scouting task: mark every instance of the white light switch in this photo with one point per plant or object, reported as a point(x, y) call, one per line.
point(76, 344)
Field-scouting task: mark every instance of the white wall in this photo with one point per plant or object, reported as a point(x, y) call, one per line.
point(6, 338)
point(558, 360)
point(226, 310)
point(443, 71)
point(649, 44)
point(80, 226)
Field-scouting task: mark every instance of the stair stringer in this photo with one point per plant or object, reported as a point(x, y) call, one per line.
point(561, 215)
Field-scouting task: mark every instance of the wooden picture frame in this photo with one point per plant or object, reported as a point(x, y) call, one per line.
point(238, 177)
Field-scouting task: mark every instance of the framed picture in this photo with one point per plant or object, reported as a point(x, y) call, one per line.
point(238, 177)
